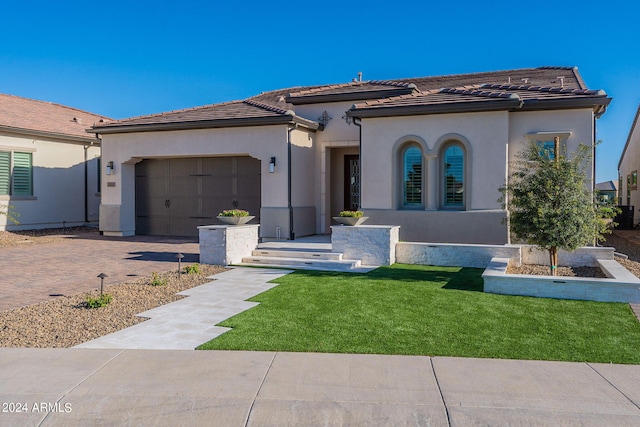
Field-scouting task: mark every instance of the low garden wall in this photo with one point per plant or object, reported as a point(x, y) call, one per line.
point(620, 286)
point(479, 256)
point(454, 255)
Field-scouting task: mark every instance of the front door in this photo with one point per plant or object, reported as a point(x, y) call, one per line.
point(351, 182)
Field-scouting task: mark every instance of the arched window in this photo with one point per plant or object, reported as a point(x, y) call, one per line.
point(453, 177)
point(412, 176)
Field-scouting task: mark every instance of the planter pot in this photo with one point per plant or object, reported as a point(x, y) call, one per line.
point(235, 220)
point(350, 220)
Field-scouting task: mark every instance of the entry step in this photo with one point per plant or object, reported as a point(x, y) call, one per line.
point(326, 256)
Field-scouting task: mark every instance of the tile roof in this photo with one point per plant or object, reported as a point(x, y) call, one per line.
point(30, 116)
point(543, 87)
point(607, 186)
point(487, 96)
point(234, 113)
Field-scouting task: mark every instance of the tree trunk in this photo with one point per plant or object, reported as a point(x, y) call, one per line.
point(553, 260)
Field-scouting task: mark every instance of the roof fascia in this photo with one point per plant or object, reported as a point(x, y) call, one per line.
point(207, 124)
point(350, 96)
point(598, 104)
point(60, 137)
point(457, 107)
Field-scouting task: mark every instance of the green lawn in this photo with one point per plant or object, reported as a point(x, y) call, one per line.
point(422, 310)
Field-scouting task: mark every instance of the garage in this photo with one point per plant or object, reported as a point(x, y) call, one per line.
point(175, 196)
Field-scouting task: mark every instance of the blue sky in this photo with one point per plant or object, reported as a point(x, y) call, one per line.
point(129, 58)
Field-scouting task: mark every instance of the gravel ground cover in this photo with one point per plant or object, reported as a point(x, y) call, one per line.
point(543, 270)
point(30, 237)
point(66, 321)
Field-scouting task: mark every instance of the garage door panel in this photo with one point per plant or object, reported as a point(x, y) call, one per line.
point(217, 166)
point(183, 167)
point(153, 225)
point(175, 196)
point(217, 186)
point(249, 186)
point(186, 207)
point(149, 206)
point(153, 167)
point(184, 186)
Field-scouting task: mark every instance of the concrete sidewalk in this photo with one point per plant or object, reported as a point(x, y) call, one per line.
point(79, 387)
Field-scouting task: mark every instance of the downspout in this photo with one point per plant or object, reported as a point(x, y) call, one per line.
point(358, 122)
point(292, 234)
point(86, 184)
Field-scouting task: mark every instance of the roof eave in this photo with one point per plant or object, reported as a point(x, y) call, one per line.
point(206, 124)
point(415, 110)
point(598, 104)
point(350, 96)
point(626, 145)
point(50, 135)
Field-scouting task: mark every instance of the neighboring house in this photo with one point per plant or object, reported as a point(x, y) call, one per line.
point(428, 154)
point(608, 192)
point(628, 167)
point(49, 165)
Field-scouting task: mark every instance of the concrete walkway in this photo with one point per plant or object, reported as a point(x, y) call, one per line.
point(189, 322)
point(79, 387)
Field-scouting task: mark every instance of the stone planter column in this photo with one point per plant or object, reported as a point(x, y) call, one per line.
point(227, 244)
point(372, 244)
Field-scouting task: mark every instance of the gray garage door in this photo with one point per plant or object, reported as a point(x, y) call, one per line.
point(175, 196)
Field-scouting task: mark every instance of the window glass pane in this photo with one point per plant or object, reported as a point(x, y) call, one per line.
point(22, 174)
point(547, 149)
point(454, 176)
point(412, 170)
point(5, 172)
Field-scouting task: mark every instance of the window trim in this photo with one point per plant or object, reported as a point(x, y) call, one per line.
point(12, 152)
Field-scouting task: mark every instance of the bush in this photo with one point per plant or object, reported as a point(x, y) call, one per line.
point(156, 280)
point(192, 269)
point(352, 214)
point(101, 301)
point(234, 212)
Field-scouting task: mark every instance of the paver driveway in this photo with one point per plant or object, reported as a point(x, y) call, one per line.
point(33, 273)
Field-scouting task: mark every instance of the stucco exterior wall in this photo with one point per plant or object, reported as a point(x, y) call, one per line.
point(578, 123)
point(59, 197)
point(260, 142)
point(629, 163)
point(485, 133)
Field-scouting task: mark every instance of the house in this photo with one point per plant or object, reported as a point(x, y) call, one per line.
point(428, 154)
point(608, 192)
point(49, 165)
point(628, 167)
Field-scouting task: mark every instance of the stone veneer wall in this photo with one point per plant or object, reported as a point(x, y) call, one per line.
point(372, 244)
point(227, 244)
point(454, 255)
point(479, 256)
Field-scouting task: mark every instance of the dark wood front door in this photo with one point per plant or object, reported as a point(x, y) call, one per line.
point(351, 182)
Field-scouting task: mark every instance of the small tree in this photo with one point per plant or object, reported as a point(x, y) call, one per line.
point(549, 203)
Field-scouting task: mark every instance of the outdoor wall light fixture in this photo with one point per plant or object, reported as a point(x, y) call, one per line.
point(110, 168)
point(272, 165)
